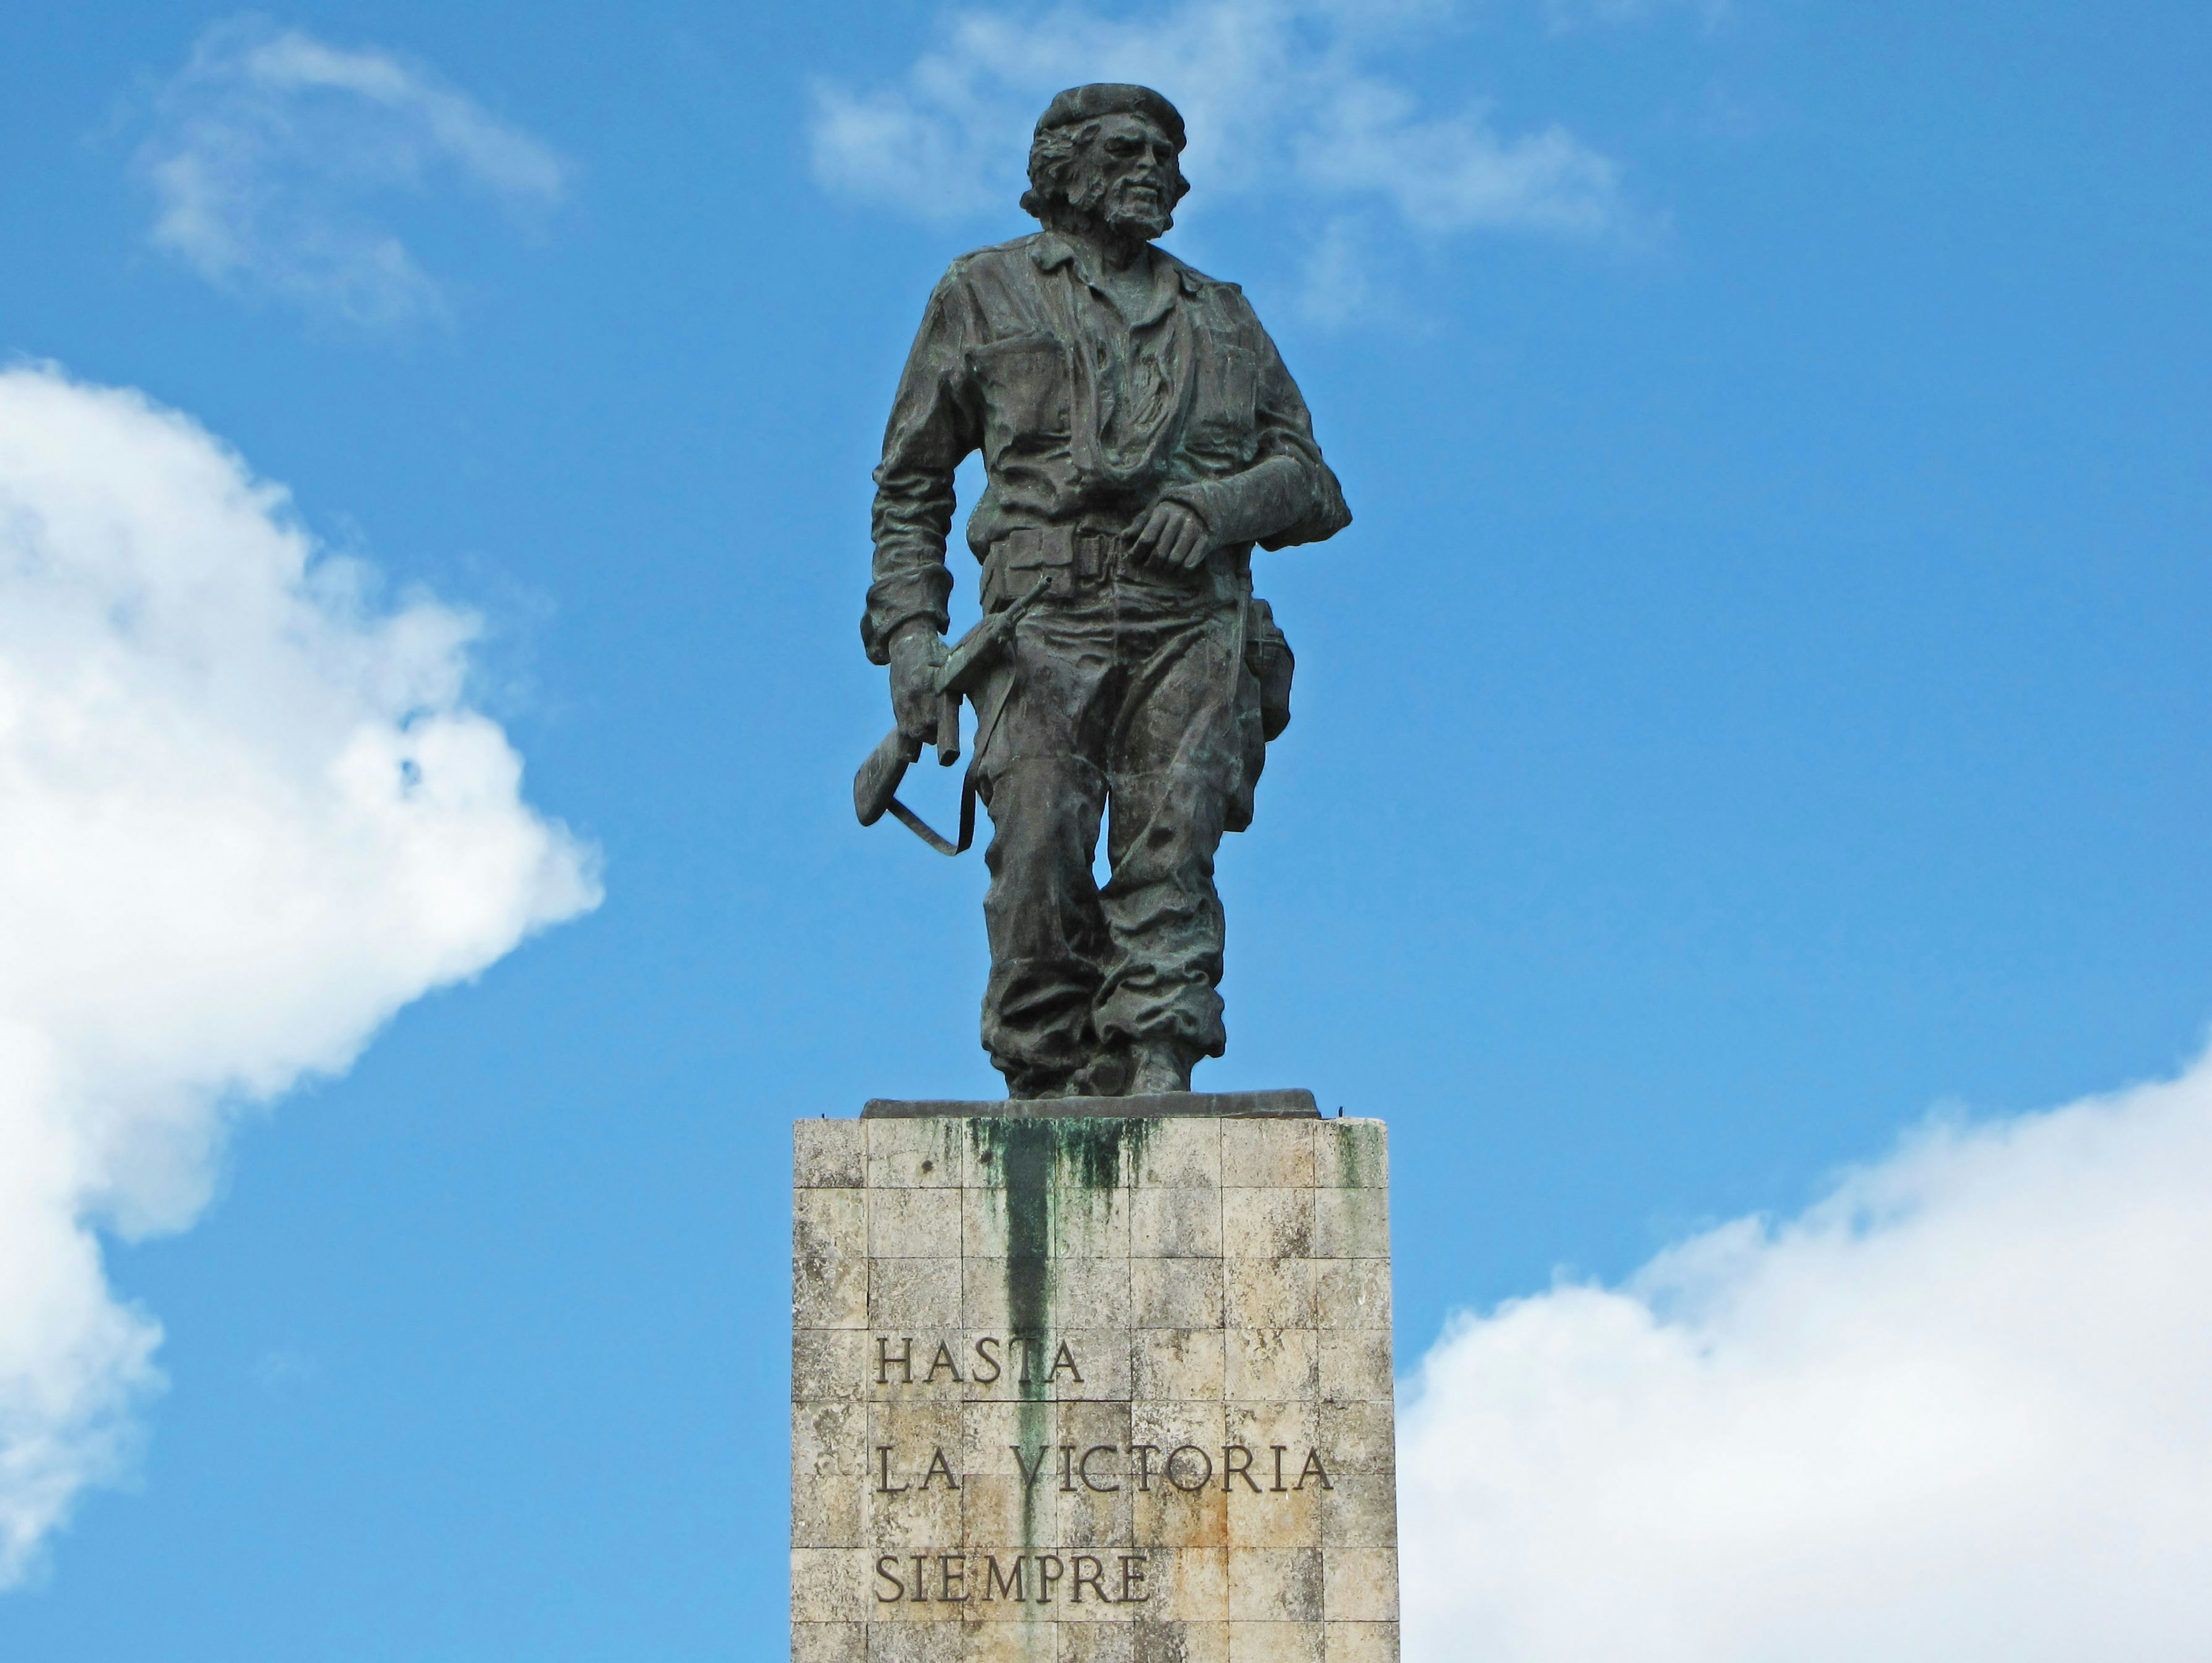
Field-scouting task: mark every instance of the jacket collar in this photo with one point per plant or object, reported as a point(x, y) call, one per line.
point(1050, 251)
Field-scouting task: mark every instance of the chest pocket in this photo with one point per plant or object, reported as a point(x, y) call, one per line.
point(1024, 383)
point(1224, 411)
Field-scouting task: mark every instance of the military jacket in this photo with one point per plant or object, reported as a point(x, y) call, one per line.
point(1087, 415)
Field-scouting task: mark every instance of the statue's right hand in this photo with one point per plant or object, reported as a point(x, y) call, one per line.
point(915, 653)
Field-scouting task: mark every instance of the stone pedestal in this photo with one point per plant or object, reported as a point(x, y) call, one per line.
point(1100, 1386)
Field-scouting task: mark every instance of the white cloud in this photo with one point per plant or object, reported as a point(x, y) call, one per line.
point(1961, 1411)
point(269, 148)
point(1284, 104)
point(1338, 287)
point(1454, 174)
point(245, 815)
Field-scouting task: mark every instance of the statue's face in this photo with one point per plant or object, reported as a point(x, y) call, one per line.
point(1126, 176)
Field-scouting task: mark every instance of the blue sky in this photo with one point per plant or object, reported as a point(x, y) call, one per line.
point(1760, 701)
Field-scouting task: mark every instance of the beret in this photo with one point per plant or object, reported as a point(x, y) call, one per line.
point(1112, 97)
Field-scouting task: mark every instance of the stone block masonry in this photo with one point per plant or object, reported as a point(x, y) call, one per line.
point(1072, 1389)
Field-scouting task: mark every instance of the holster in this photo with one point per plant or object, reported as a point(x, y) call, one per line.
point(1267, 655)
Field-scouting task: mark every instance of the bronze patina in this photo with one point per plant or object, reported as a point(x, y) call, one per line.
point(1139, 437)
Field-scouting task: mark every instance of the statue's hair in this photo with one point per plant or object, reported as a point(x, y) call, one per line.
point(1051, 157)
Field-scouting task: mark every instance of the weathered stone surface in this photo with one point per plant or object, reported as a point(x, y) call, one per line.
point(1091, 1390)
point(1165, 1105)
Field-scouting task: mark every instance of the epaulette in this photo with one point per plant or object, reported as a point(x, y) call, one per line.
point(1013, 246)
point(1194, 281)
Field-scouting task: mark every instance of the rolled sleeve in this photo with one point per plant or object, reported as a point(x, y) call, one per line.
point(1288, 495)
point(1246, 506)
point(934, 424)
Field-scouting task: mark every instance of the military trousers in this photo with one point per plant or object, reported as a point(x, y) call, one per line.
point(1127, 700)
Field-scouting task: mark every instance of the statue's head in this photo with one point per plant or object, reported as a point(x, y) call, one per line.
point(1105, 154)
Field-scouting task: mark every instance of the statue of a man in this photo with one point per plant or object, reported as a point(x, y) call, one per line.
point(1140, 434)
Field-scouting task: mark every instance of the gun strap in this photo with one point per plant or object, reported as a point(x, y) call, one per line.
point(921, 828)
point(990, 704)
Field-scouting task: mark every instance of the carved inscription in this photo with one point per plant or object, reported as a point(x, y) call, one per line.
point(1188, 1467)
point(1022, 1578)
point(898, 1364)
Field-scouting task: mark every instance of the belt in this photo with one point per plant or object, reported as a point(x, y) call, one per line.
point(1068, 556)
point(1074, 559)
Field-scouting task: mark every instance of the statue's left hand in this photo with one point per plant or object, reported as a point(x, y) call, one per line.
point(1172, 536)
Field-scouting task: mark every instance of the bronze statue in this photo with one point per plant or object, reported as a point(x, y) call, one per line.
point(1140, 434)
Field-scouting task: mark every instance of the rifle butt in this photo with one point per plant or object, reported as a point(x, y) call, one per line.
point(878, 781)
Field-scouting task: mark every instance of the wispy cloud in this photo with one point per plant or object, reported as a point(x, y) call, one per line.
point(272, 154)
point(1958, 1412)
point(245, 815)
point(282, 1371)
point(1288, 104)
point(1572, 14)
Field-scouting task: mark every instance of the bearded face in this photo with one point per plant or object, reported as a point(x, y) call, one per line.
point(1125, 177)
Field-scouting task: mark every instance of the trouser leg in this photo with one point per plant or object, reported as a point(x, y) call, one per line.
point(1040, 777)
point(1174, 764)
point(1042, 914)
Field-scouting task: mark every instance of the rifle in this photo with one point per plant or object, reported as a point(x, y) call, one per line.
point(959, 675)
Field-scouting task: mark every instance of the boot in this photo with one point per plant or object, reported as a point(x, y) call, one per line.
point(1157, 1066)
point(1035, 1082)
point(1106, 1075)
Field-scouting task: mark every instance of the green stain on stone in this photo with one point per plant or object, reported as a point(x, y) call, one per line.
point(1359, 1155)
point(1351, 1157)
point(1026, 1161)
point(1046, 1171)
